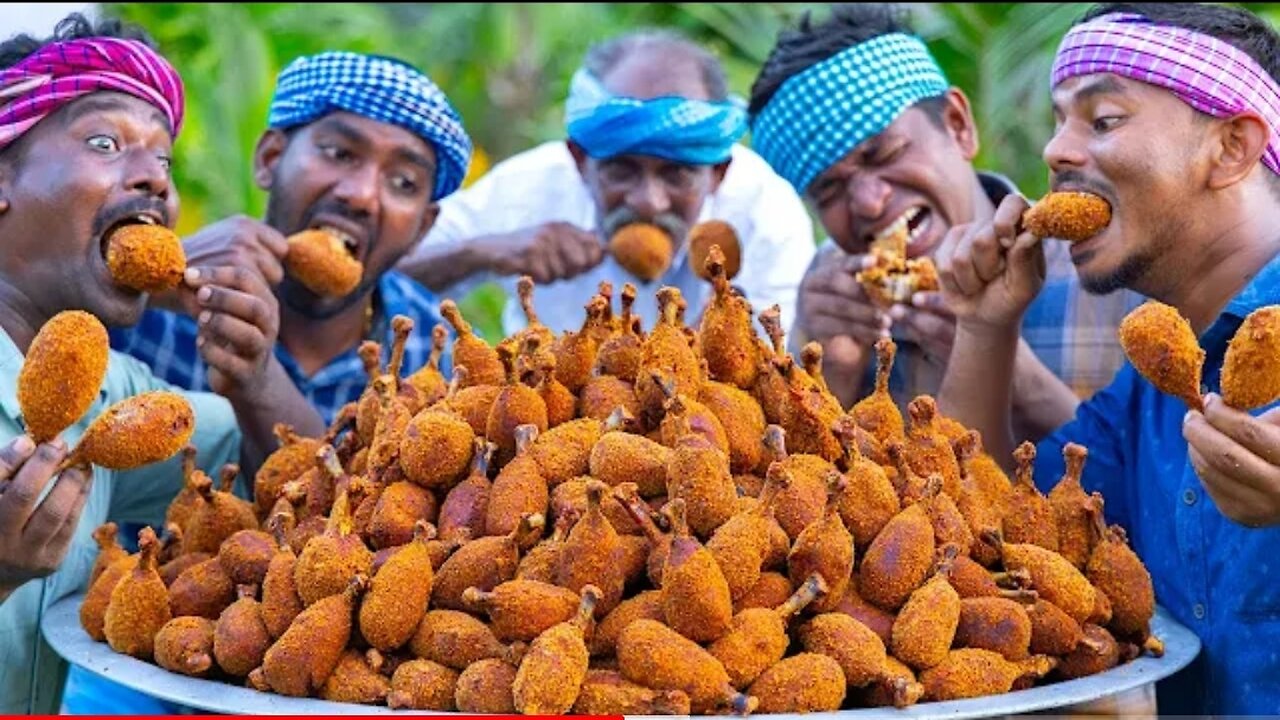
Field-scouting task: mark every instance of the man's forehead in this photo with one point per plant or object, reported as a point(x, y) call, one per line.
point(107, 102)
point(654, 71)
point(1094, 85)
point(363, 129)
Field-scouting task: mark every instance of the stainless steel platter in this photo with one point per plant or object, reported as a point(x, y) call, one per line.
point(62, 629)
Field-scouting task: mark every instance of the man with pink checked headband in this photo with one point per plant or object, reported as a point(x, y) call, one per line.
point(88, 119)
point(1171, 113)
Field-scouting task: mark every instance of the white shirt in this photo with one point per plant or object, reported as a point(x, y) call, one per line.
point(543, 185)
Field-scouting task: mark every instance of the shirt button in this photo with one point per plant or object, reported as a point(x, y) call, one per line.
point(1189, 496)
point(1198, 611)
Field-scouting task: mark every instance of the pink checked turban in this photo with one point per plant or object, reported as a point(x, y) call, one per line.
point(62, 72)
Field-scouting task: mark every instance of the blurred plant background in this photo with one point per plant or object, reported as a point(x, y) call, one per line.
point(506, 67)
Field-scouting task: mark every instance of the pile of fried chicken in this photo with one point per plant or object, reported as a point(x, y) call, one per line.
point(628, 521)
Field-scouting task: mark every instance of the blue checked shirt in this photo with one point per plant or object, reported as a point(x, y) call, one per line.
point(167, 343)
point(1212, 574)
point(1071, 331)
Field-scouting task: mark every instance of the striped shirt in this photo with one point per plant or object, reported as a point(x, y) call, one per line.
point(166, 342)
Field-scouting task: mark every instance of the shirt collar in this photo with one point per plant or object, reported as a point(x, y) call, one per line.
point(11, 360)
point(1262, 290)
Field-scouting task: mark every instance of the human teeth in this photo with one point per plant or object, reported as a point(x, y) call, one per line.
point(897, 227)
point(145, 219)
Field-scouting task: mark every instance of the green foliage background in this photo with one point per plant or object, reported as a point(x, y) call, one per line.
point(506, 67)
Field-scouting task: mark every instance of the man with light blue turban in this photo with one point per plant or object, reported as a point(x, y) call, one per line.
point(855, 113)
point(362, 145)
point(652, 137)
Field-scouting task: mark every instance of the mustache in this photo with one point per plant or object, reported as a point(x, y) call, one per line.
point(110, 215)
point(670, 223)
point(342, 210)
point(1077, 180)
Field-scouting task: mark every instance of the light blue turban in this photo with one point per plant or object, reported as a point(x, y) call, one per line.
point(381, 89)
point(693, 132)
point(820, 115)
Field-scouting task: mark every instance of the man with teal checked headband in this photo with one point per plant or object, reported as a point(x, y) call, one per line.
point(855, 113)
point(652, 134)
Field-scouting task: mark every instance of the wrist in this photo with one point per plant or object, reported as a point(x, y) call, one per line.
point(986, 331)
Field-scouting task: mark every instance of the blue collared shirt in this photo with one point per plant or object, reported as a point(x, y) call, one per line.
point(1211, 573)
point(166, 342)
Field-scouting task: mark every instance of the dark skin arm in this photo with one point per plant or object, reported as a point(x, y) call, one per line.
point(548, 252)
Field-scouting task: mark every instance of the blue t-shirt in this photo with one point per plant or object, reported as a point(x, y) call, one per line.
point(1211, 573)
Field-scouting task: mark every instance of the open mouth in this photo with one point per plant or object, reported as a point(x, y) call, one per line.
point(905, 230)
point(348, 243)
point(135, 219)
point(347, 233)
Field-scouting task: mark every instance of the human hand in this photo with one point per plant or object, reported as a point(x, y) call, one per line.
point(834, 309)
point(1237, 457)
point(547, 252)
point(991, 272)
point(34, 538)
point(928, 322)
point(238, 241)
point(238, 321)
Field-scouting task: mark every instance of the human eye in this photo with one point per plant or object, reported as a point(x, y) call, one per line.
point(103, 143)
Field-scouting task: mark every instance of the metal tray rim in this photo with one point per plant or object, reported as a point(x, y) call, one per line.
point(61, 628)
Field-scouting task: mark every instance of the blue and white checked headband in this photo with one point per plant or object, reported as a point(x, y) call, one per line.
point(381, 89)
point(694, 132)
point(820, 115)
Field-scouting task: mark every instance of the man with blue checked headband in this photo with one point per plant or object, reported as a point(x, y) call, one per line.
point(652, 136)
point(855, 113)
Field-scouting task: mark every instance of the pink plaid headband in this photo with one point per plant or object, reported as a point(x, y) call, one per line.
point(61, 72)
point(1210, 75)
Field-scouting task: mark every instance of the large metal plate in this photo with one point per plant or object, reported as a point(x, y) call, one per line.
point(62, 629)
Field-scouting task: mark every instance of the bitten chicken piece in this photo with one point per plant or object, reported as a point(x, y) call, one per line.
point(1070, 216)
point(728, 342)
point(423, 685)
point(320, 260)
point(551, 673)
point(62, 373)
point(695, 596)
point(1071, 509)
point(654, 655)
point(523, 609)
point(240, 638)
point(136, 431)
point(1163, 348)
point(145, 257)
point(398, 596)
point(757, 638)
point(973, 673)
point(877, 413)
point(802, 683)
point(185, 646)
point(1117, 572)
point(470, 351)
point(1029, 518)
point(642, 249)
point(860, 654)
point(926, 625)
point(1250, 376)
point(139, 604)
point(825, 547)
point(301, 660)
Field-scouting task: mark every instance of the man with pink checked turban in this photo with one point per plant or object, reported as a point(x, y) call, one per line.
point(88, 119)
point(1170, 113)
